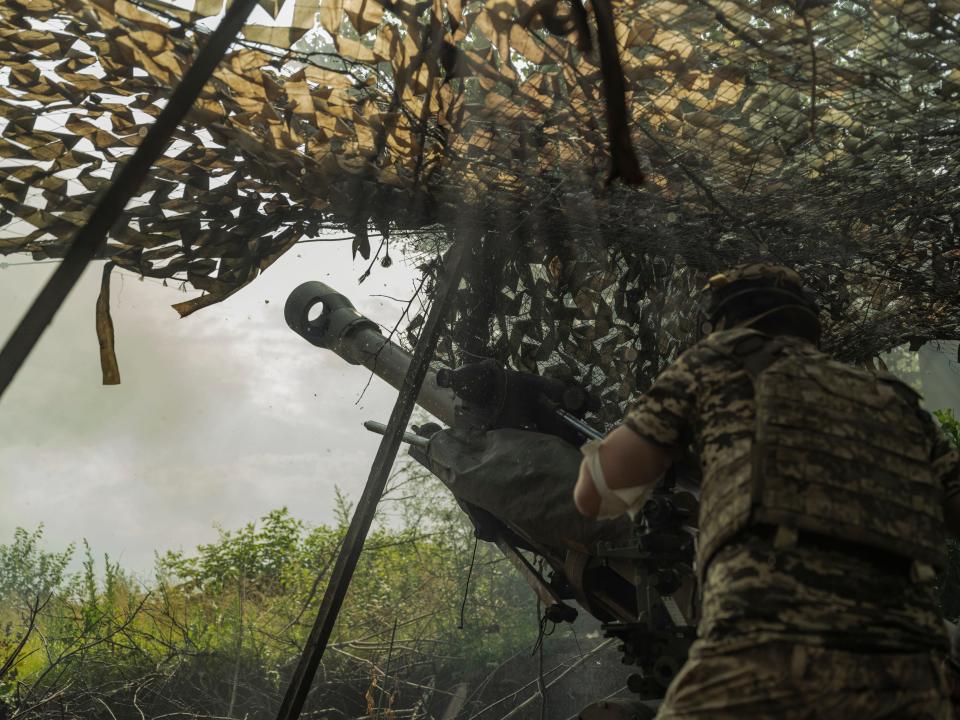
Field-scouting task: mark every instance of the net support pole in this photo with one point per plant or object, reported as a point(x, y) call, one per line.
point(90, 239)
point(362, 519)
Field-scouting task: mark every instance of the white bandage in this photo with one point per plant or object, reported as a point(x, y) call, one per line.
point(613, 503)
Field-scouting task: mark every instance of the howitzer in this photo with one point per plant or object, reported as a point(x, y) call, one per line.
point(511, 459)
point(479, 396)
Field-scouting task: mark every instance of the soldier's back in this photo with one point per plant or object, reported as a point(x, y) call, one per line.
point(817, 497)
point(809, 618)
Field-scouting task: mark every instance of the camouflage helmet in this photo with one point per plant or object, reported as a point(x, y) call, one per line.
point(765, 286)
point(779, 275)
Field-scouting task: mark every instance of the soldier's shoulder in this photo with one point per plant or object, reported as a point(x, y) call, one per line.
point(734, 336)
point(718, 350)
point(904, 388)
point(862, 373)
point(729, 343)
point(739, 342)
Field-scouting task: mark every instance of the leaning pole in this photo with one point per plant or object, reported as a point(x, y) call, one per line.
point(362, 519)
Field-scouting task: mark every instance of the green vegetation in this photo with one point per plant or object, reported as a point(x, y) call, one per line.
point(949, 581)
point(217, 632)
point(949, 424)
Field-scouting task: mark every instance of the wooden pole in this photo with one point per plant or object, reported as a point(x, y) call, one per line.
point(362, 519)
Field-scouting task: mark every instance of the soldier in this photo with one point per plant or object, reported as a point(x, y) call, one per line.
point(826, 496)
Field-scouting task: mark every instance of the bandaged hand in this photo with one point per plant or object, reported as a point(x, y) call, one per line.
point(618, 474)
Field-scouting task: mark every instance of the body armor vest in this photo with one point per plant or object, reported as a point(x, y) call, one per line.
point(837, 450)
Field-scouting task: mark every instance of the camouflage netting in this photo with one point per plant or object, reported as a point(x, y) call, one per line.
point(821, 134)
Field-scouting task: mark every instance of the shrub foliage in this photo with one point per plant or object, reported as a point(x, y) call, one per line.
point(217, 631)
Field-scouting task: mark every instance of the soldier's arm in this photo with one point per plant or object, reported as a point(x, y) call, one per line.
point(638, 452)
point(628, 461)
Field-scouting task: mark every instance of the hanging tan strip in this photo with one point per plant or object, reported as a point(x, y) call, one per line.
point(108, 353)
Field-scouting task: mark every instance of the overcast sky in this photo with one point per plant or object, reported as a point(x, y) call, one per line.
point(221, 416)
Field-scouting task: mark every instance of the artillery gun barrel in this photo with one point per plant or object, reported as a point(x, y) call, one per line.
point(327, 319)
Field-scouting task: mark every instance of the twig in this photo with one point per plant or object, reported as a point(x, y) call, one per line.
point(390, 335)
point(486, 681)
point(466, 585)
point(34, 612)
point(27, 711)
point(374, 666)
point(557, 679)
point(386, 674)
point(606, 697)
point(813, 77)
point(541, 687)
point(102, 702)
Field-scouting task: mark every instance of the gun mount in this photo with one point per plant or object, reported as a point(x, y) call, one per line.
point(661, 552)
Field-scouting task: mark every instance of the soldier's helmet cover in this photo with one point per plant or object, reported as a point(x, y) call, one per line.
point(753, 291)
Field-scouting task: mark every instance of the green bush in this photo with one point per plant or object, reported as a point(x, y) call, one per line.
point(949, 581)
point(218, 631)
point(949, 424)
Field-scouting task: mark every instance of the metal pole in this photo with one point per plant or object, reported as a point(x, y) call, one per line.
point(91, 238)
point(296, 694)
point(381, 429)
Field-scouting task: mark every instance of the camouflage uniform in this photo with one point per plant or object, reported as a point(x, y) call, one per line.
point(799, 624)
